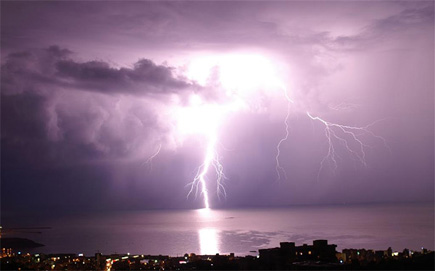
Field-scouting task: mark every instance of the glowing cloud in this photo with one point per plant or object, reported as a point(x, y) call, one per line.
point(239, 79)
point(239, 76)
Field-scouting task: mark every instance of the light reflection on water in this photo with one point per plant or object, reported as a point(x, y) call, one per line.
point(208, 241)
point(175, 232)
point(208, 236)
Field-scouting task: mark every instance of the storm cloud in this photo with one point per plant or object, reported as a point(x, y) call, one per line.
point(90, 91)
point(52, 66)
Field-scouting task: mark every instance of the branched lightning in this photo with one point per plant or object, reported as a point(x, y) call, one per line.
point(333, 132)
point(209, 116)
point(199, 183)
point(354, 132)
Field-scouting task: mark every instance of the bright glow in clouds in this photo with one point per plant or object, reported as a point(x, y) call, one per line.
point(239, 79)
point(204, 118)
point(239, 74)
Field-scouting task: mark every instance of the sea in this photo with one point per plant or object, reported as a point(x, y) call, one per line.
point(239, 231)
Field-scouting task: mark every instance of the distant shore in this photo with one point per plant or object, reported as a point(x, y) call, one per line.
point(19, 243)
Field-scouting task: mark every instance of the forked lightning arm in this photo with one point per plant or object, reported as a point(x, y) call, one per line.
point(150, 159)
point(334, 132)
point(200, 181)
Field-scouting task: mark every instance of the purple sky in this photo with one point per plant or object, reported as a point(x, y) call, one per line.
point(90, 90)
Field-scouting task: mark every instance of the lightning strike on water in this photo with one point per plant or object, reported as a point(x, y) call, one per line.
point(348, 136)
point(211, 160)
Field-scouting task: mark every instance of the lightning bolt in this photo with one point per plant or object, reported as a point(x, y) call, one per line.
point(278, 168)
point(199, 183)
point(150, 159)
point(347, 136)
point(332, 131)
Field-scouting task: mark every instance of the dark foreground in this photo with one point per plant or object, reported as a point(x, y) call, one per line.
point(319, 256)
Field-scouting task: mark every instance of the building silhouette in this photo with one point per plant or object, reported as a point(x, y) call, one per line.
point(288, 253)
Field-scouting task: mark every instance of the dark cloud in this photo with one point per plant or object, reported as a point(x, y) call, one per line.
point(60, 116)
point(53, 68)
point(403, 24)
point(58, 52)
point(44, 113)
point(23, 130)
point(407, 19)
point(146, 77)
point(66, 111)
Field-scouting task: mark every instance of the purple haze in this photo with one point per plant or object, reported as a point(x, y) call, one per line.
point(87, 87)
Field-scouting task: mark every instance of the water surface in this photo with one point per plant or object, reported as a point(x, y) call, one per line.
point(239, 230)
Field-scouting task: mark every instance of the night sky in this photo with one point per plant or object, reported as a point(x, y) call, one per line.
point(90, 91)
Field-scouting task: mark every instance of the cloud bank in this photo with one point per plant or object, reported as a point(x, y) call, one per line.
point(81, 115)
